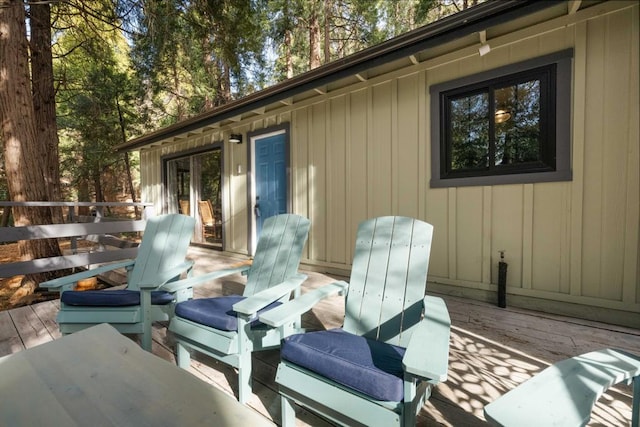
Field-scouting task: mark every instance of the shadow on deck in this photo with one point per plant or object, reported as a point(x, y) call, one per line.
point(492, 350)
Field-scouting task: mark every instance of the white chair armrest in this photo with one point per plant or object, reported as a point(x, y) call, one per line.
point(427, 354)
point(198, 280)
point(60, 283)
point(251, 305)
point(294, 308)
point(565, 392)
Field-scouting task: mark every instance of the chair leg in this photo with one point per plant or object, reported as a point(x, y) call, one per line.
point(635, 408)
point(288, 413)
point(145, 341)
point(409, 409)
point(182, 356)
point(145, 302)
point(244, 377)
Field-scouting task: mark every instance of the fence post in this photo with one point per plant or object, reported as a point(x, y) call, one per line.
point(71, 218)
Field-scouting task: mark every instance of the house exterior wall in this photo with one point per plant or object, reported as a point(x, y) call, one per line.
point(364, 150)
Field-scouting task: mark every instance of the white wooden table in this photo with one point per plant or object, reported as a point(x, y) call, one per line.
point(98, 377)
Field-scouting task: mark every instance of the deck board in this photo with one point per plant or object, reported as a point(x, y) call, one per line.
point(492, 350)
point(47, 312)
point(10, 341)
point(30, 327)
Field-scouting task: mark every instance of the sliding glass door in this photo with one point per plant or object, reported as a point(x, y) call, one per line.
point(194, 187)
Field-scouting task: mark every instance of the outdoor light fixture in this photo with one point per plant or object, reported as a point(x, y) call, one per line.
point(484, 46)
point(235, 138)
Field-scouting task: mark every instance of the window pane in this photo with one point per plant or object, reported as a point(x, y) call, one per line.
point(178, 183)
point(469, 132)
point(524, 136)
point(210, 203)
point(517, 118)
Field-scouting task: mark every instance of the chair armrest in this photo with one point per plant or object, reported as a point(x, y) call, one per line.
point(291, 310)
point(59, 283)
point(251, 305)
point(198, 280)
point(427, 354)
point(565, 392)
point(168, 275)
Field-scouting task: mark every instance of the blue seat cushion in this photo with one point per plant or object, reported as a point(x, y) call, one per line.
point(216, 312)
point(368, 366)
point(116, 298)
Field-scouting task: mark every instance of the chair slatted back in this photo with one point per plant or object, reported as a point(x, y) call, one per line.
point(278, 252)
point(164, 245)
point(206, 212)
point(184, 207)
point(388, 278)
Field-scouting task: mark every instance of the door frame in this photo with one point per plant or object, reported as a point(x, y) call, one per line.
point(166, 197)
point(282, 129)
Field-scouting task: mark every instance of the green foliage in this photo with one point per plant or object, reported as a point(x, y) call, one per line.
point(127, 67)
point(96, 100)
point(194, 55)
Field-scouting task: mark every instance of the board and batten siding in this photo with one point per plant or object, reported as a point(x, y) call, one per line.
point(364, 151)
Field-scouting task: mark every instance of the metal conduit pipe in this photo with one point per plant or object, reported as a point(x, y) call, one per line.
point(502, 281)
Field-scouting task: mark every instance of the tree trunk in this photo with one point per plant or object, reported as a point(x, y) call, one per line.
point(223, 95)
point(6, 216)
point(83, 194)
point(314, 39)
point(24, 157)
point(132, 190)
point(288, 56)
point(327, 31)
point(44, 100)
point(127, 165)
point(181, 113)
point(97, 184)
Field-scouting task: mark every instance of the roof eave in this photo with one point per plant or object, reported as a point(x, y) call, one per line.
point(472, 20)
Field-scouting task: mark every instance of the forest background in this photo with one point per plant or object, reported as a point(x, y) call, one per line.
point(79, 77)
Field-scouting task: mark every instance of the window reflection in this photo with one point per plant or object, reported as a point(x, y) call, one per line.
point(495, 128)
point(505, 125)
point(517, 123)
point(194, 187)
point(470, 132)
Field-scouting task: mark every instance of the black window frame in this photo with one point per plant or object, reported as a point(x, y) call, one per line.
point(554, 73)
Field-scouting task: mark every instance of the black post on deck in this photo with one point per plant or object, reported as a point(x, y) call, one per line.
point(502, 282)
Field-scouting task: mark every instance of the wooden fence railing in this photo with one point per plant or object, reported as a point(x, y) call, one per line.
point(96, 228)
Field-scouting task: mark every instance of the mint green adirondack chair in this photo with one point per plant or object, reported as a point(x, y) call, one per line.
point(393, 347)
point(564, 393)
point(161, 259)
point(226, 327)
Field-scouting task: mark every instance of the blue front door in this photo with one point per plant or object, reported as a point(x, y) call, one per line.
point(271, 178)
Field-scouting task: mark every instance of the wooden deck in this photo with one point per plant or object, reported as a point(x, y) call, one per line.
point(492, 350)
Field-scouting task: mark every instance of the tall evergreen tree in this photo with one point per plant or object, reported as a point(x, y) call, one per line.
point(23, 151)
point(44, 98)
